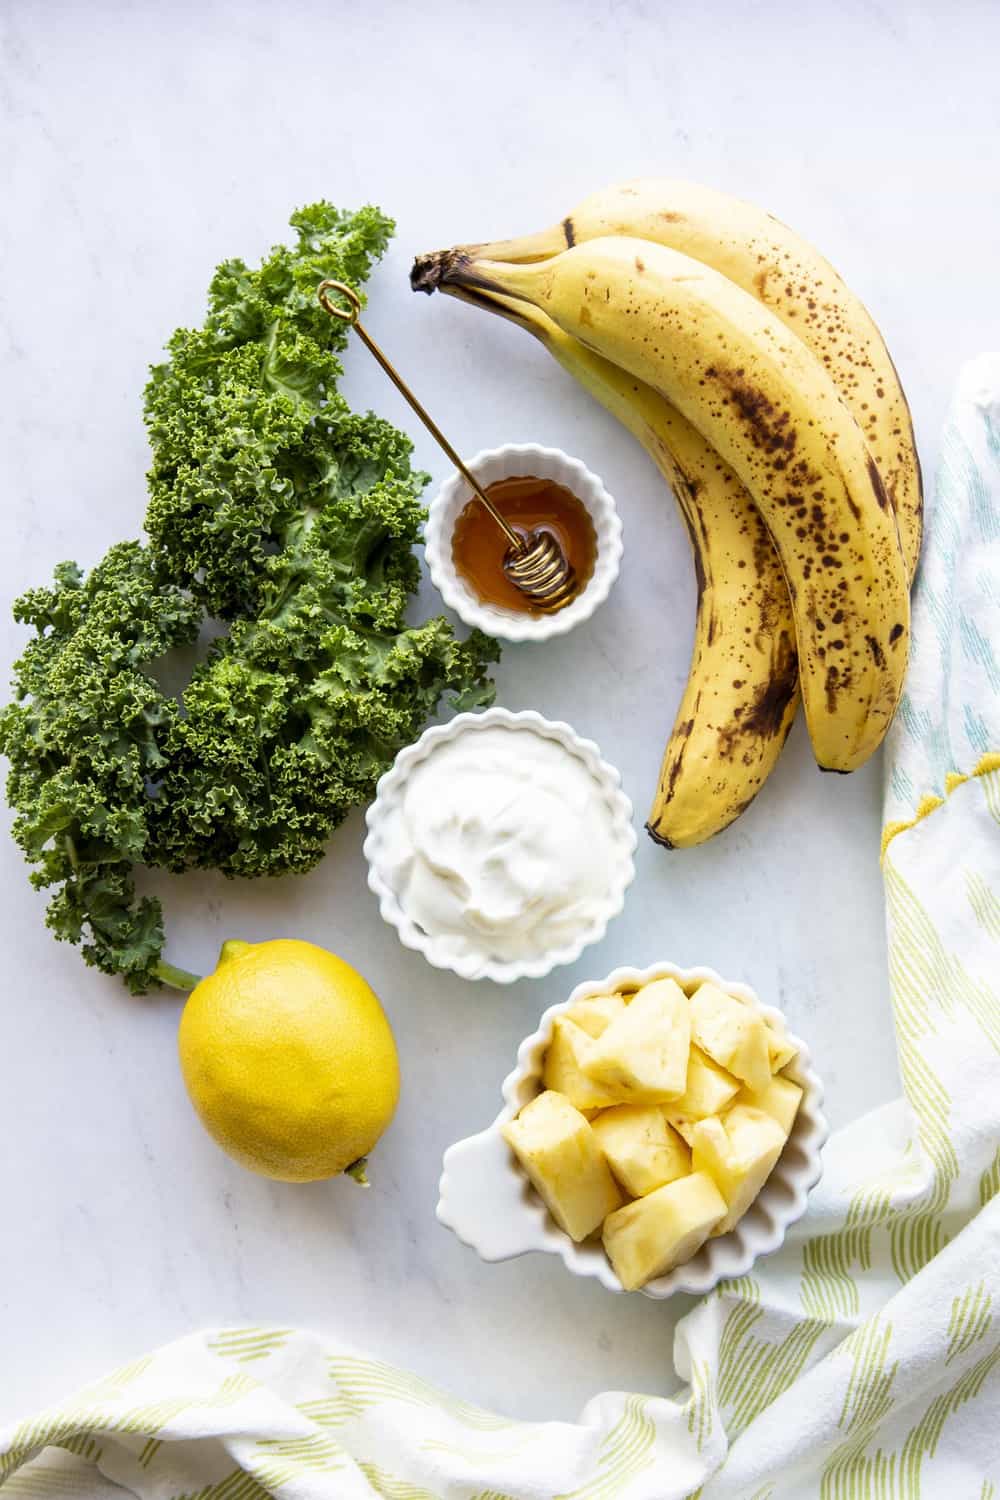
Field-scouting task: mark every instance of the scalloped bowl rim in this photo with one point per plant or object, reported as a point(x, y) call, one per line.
point(607, 778)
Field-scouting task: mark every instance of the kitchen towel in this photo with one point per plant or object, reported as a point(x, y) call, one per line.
point(861, 1360)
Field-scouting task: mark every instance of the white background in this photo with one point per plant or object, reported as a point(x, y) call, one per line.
point(142, 144)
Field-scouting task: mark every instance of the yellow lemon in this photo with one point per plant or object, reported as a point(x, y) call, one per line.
point(289, 1060)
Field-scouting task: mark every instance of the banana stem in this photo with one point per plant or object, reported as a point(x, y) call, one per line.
point(429, 270)
point(466, 270)
point(174, 978)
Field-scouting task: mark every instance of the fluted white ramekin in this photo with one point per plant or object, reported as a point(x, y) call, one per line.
point(388, 798)
point(487, 1200)
point(508, 462)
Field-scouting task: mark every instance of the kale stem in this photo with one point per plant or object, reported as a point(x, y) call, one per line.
point(177, 979)
point(169, 974)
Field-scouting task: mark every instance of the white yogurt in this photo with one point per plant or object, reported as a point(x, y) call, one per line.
point(502, 845)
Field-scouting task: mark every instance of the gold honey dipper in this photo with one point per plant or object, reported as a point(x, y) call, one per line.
point(534, 561)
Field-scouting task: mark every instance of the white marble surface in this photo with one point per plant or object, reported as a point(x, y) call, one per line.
point(140, 145)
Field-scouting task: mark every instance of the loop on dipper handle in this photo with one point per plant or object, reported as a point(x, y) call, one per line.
point(345, 314)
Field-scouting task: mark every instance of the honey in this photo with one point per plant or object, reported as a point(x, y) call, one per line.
point(478, 546)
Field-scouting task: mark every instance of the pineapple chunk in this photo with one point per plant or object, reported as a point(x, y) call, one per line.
point(780, 1100)
point(709, 1090)
point(563, 1068)
point(780, 1050)
point(648, 1237)
point(738, 1153)
point(642, 1150)
point(595, 1014)
point(642, 1058)
point(732, 1033)
point(559, 1152)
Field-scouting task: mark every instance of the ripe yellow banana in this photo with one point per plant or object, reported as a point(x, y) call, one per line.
point(775, 265)
point(765, 403)
point(742, 689)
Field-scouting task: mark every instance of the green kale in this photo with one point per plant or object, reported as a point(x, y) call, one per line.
point(298, 712)
point(276, 509)
point(87, 740)
point(239, 461)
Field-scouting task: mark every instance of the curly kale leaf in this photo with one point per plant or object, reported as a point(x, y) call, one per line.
point(296, 715)
point(275, 508)
point(86, 740)
point(237, 459)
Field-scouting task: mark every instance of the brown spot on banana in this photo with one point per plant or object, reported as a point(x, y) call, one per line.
point(879, 488)
point(765, 717)
point(679, 739)
point(767, 713)
point(769, 427)
point(878, 655)
point(696, 534)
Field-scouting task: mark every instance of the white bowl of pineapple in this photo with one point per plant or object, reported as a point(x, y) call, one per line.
point(661, 1130)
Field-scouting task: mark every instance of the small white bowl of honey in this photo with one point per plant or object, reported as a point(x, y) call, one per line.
point(536, 490)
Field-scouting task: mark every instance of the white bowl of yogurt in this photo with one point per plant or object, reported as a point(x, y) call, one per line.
point(500, 845)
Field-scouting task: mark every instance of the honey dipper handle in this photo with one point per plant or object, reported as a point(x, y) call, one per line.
point(351, 316)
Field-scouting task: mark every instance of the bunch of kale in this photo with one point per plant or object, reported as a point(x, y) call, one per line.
point(278, 511)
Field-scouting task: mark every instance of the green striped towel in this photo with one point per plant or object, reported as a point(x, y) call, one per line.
point(861, 1362)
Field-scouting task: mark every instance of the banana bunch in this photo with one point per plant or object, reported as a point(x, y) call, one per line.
point(761, 388)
